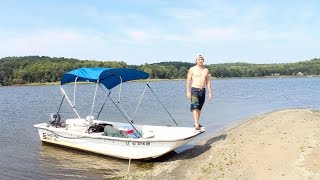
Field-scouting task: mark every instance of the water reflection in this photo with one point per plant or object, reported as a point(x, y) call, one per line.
point(65, 162)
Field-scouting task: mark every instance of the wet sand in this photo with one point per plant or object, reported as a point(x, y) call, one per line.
point(284, 144)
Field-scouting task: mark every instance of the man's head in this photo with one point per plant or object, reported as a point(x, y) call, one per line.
point(199, 59)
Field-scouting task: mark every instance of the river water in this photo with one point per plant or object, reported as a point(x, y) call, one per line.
point(23, 156)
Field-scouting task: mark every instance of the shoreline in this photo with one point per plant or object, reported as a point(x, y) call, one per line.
point(282, 144)
point(156, 80)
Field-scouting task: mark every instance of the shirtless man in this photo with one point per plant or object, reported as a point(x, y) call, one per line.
point(199, 75)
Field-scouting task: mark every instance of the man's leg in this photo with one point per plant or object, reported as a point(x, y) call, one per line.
point(196, 116)
point(199, 112)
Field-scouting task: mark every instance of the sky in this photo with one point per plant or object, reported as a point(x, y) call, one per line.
point(151, 31)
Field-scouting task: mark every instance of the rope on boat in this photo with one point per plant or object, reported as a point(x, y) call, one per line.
point(129, 159)
point(162, 105)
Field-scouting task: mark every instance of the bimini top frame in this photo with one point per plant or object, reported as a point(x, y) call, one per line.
point(108, 77)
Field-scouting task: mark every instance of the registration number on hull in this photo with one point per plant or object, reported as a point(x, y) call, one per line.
point(50, 137)
point(132, 143)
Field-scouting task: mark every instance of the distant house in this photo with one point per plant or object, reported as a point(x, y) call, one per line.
point(275, 74)
point(299, 74)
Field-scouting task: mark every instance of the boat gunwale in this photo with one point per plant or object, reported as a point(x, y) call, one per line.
point(114, 138)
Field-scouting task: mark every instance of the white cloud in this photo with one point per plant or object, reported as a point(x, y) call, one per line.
point(48, 36)
point(219, 33)
point(51, 42)
point(137, 35)
point(176, 37)
point(253, 15)
point(185, 14)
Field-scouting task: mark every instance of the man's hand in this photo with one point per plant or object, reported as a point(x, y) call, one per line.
point(188, 95)
point(210, 96)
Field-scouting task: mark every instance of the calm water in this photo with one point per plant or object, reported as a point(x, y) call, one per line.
point(23, 156)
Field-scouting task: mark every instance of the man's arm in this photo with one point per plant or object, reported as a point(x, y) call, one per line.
point(189, 77)
point(209, 86)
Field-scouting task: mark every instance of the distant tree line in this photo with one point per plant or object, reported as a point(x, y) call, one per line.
point(310, 67)
point(43, 69)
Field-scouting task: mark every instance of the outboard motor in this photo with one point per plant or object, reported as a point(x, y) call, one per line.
point(55, 119)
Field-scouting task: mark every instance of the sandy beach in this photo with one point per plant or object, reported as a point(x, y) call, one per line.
point(284, 144)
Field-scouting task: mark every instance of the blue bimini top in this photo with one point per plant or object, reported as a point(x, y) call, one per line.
point(109, 77)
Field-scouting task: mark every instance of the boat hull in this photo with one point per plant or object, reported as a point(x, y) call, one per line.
point(124, 148)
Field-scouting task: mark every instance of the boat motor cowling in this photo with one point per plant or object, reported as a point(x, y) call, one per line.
point(55, 119)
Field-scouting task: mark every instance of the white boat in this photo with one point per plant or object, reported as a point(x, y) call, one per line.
point(116, 139)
